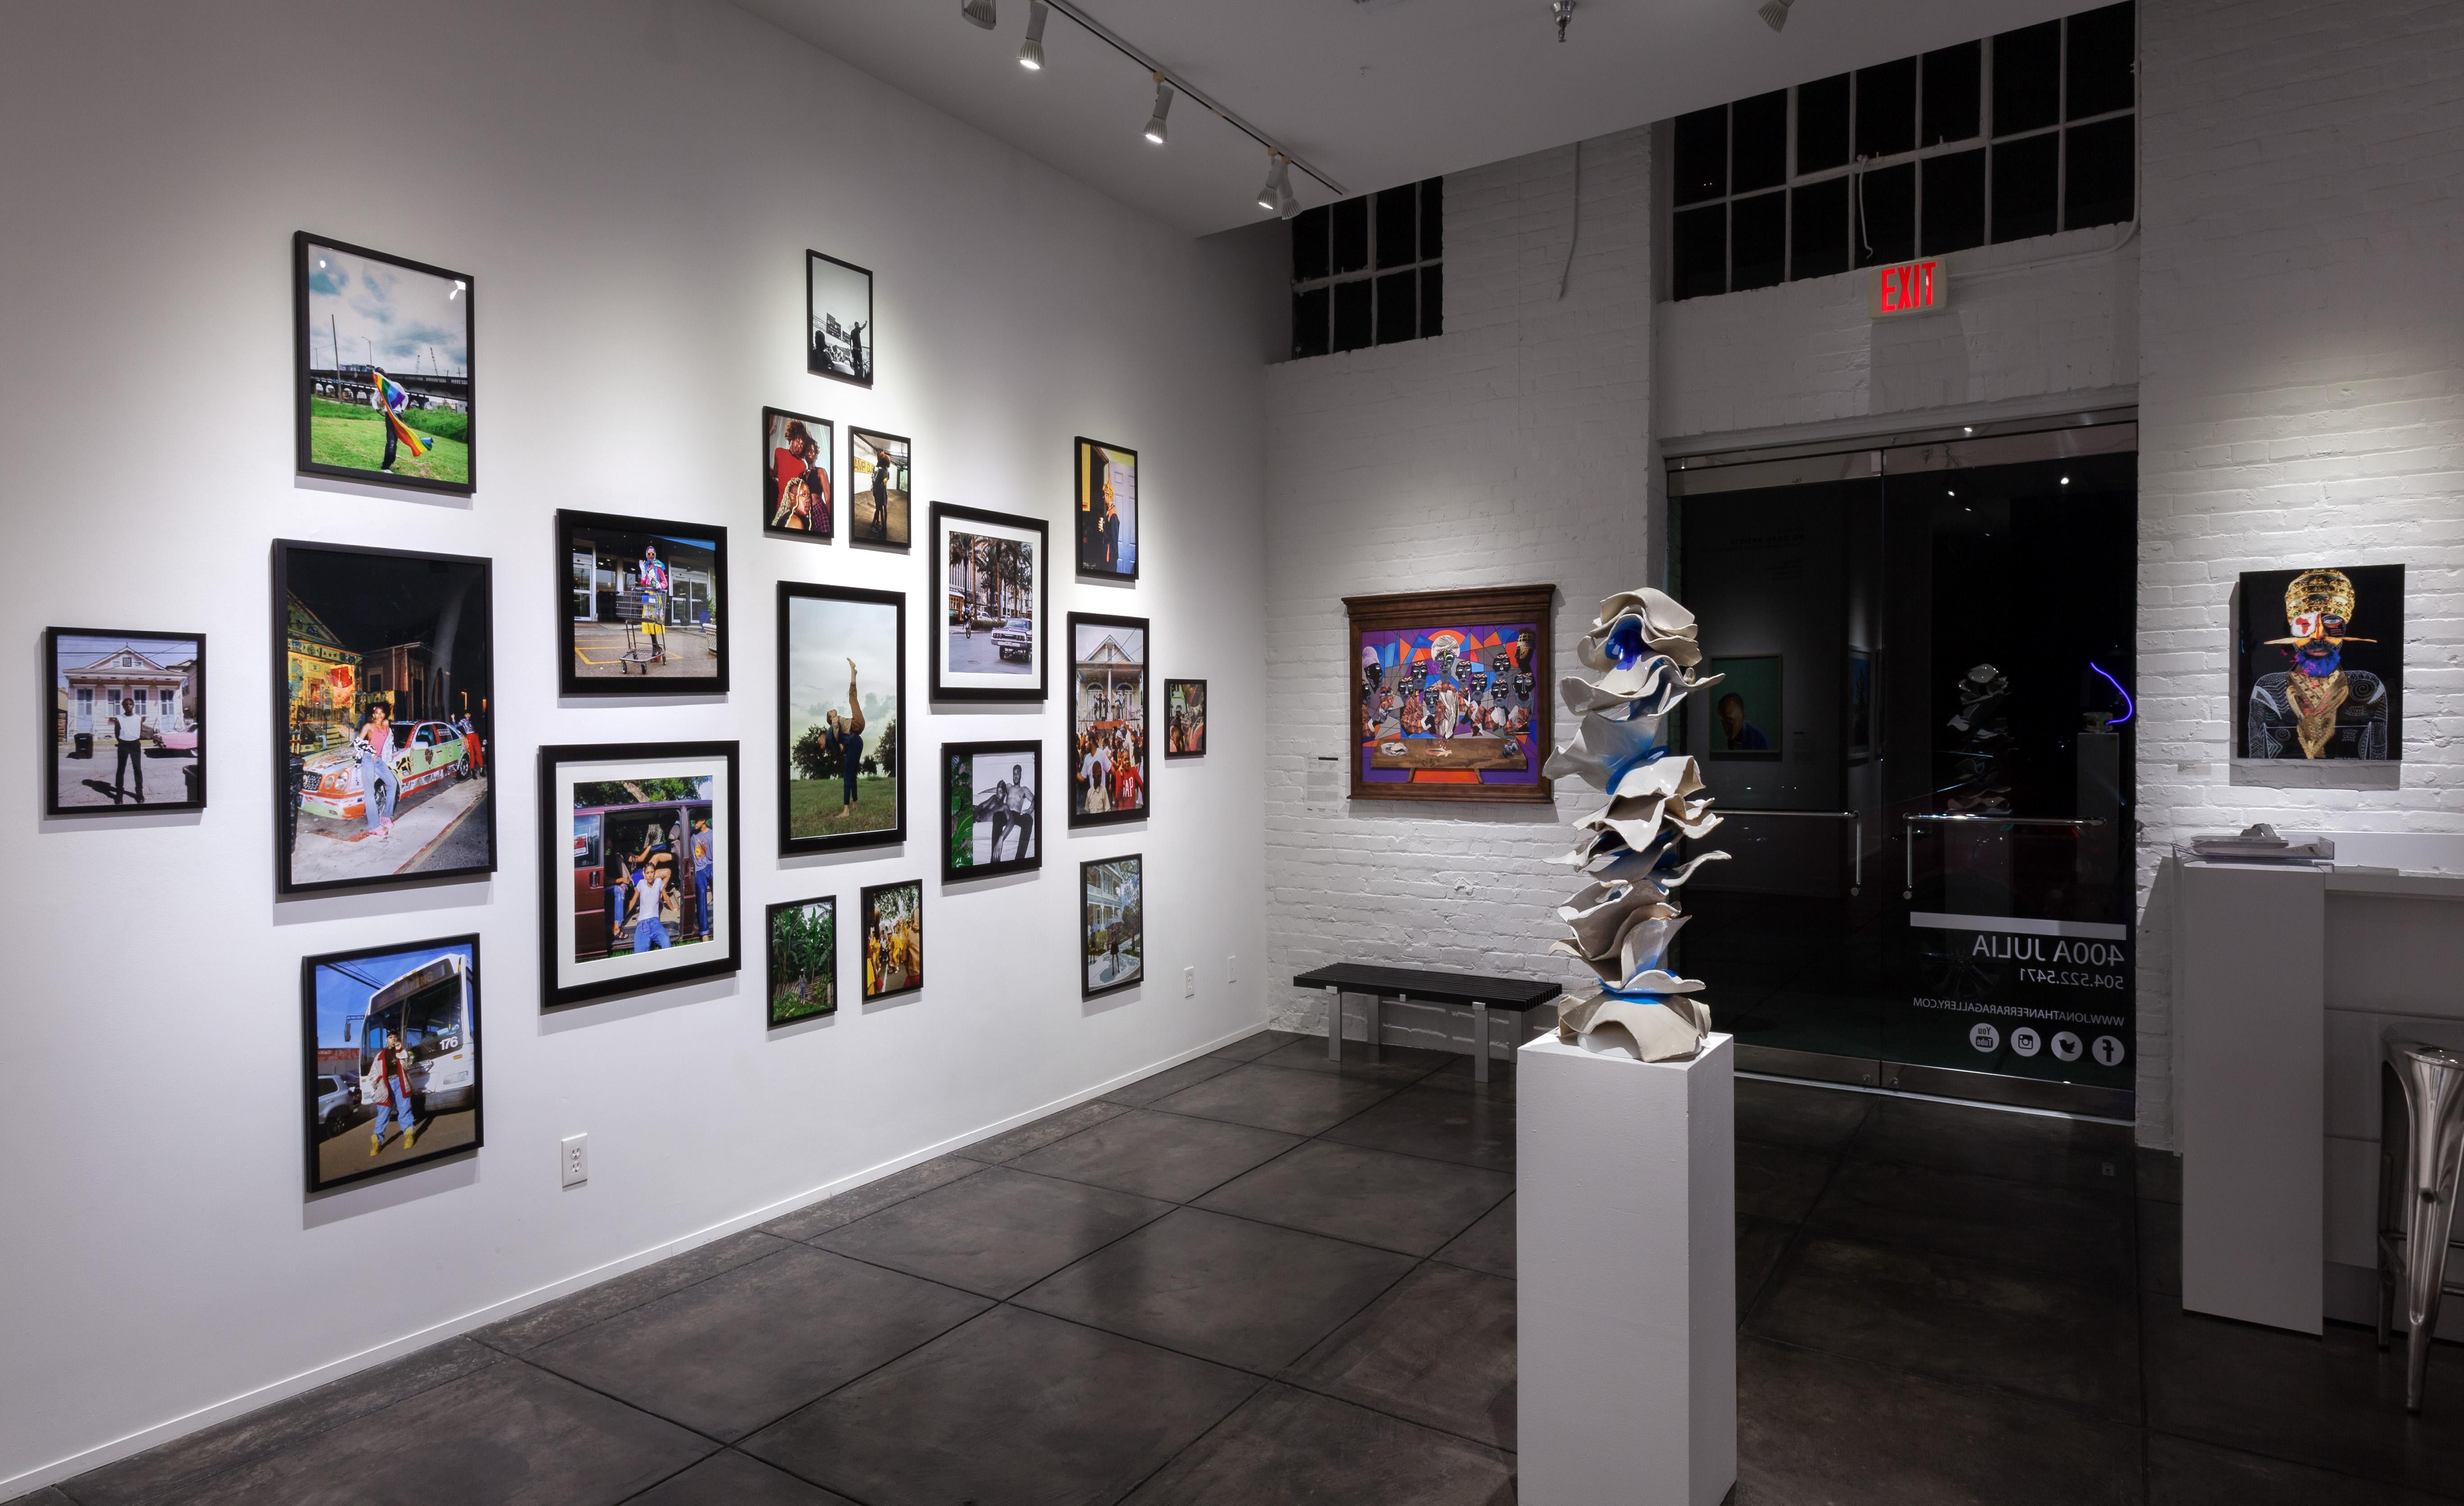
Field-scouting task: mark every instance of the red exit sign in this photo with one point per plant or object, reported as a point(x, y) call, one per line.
point(1911, 287)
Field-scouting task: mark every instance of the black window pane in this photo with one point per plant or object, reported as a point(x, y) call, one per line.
point(1351, 236)
point(1352, 315)
point(1822, 124)
point(1308, 322)
point(1309, 244)
point(1758, 234)
point(1818, 228)
point(1951, 80)
point(1702, 155)
point(2023, 186)
point(1433, 300)
point(1888, 215)
point(2097, 177)
point(1701, 240)
point(2102, 49)
point(1758, 153)
point(1886, 108)
point(1399, 318)
point(1433, 217)
point(1955, 203)
point(1398, 224)
point(2027, 78)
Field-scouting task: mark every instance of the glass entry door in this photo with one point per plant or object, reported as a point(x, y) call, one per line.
point(1921, 745)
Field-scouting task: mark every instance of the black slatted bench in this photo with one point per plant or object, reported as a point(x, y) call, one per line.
point(1410, 985)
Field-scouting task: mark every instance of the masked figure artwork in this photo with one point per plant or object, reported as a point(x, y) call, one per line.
point(2306, 705)
point(1623, 921)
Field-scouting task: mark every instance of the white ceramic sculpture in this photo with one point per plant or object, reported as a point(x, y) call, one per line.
point(1642, 646)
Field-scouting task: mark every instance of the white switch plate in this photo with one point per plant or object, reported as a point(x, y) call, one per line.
point(1232, 969)
point(575, 1160)
point(1189, 983)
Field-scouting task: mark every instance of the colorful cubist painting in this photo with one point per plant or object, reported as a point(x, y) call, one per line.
point(1450, 706)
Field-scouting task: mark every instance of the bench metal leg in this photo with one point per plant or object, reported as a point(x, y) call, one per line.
point(1478, 1041)
point(1333, 1023)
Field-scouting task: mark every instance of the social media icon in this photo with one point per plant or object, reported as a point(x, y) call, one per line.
point(2066, 1046)
point(2025, 1041)
point(1983, 1037)
point(2108, 1051)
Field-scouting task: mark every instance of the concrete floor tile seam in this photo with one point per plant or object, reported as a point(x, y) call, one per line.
point(1486, 1209)
point(479, 1336)
point(2127, 1281)
point(1159, 1108)
point(979, 1166)
point(1188, 1202)
point(1968, 1386)
point(1205, 1433)
point(2450, 1493)
point(716, 1444)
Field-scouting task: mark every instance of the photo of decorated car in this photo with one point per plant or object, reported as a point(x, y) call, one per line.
point(424, 753)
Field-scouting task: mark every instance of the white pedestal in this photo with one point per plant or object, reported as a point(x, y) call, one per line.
point(1626, 1242)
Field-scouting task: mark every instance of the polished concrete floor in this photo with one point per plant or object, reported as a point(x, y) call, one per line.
point(1253, 1279)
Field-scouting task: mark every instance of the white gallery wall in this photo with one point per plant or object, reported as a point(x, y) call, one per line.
point(633, 187)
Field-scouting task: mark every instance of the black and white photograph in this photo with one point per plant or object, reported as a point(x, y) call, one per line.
point(644, 605)
point(838, 319)
point(1112, 926)
point(385, 762)
point(383, 367)
point(638, 865)
point(393, 1057)
point(121, 705)
point(992, 808)
point(991, 642)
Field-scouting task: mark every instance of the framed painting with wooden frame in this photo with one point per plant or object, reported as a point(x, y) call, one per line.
point(1450, 696)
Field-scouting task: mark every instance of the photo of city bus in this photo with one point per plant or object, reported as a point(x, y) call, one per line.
point(396, 1028)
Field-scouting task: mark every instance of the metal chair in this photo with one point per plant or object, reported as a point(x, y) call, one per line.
point(2420, 1150)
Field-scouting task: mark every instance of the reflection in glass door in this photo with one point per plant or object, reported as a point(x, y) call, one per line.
point(1922, 743)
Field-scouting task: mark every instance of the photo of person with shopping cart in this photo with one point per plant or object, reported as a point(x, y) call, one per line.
point(647, 606)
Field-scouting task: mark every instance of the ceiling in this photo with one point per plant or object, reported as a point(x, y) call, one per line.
point(1371, 93)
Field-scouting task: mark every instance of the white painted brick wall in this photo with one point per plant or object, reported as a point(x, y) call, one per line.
point(1514, 449)
point(2301, 396)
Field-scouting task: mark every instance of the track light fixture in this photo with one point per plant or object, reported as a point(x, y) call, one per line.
point(1775, 12)
point(1163, 108)
point(1030, 53)
point(1287, 203)
point(1267, 199)
point(979, 13)
point(1565, 12)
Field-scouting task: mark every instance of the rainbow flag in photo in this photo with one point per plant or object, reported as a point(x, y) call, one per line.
point(390, 398)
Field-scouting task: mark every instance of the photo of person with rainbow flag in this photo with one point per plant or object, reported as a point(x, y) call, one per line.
point(383, 367)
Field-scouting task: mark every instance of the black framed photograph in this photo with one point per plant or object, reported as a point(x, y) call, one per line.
point(2319, 664)
point(1108, 510)
point(990, 645)
point(1112, 926)
point(893, 938)
point(638, 864)
point(992, 808)
point(1108, 719)
point(1184, 719)
point(841, 707)
point(880, 480)
point(796, 474)
point(384, 717)
point(838, 319)
point(393, 1075)
point(643, 605)
point(122, 704)
point(383, 354)
point(803, 973)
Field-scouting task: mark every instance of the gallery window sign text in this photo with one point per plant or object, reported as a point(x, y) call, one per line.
point(1370, 271)
point(2018, 135)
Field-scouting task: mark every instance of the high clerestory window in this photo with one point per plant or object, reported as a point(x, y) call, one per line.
point(2022, 134)
point(1370, 271)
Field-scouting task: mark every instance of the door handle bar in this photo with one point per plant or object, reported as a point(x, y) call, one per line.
point(1908, 847)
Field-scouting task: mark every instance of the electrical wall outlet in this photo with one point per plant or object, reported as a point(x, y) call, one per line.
point(1232, 969)
point(1189, 983)
point(575, 1160)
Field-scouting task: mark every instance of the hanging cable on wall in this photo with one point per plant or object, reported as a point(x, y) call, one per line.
point(1575, 234)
